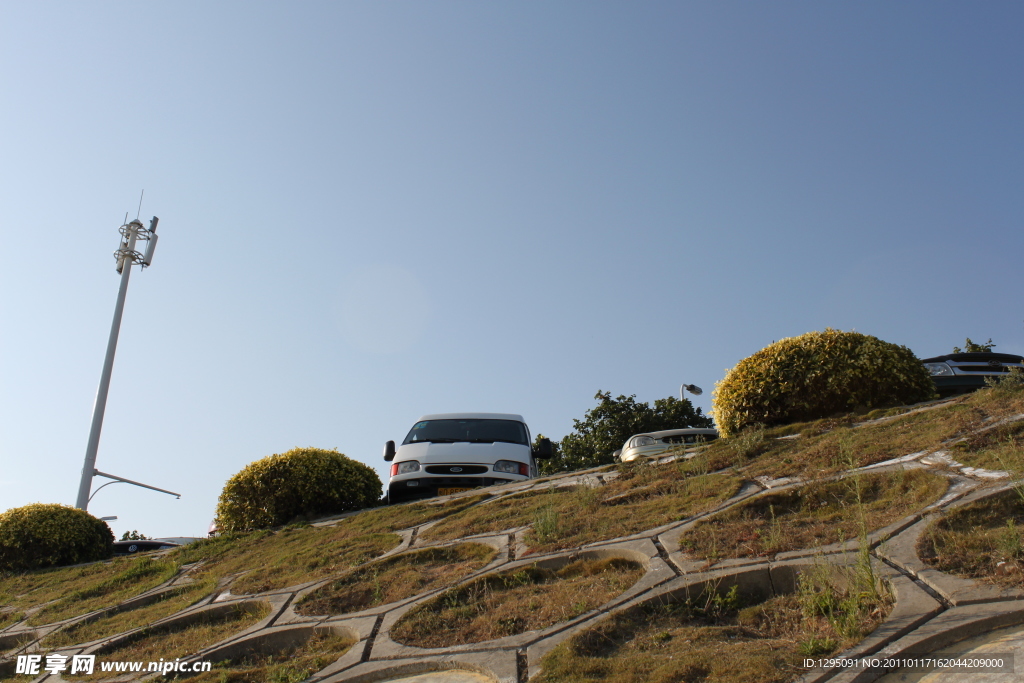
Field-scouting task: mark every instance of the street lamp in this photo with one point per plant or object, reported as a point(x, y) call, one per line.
point(126, 257)
point(692, 388)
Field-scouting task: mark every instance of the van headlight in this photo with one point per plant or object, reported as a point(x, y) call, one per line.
point(408, 466)
point(938, 369)
point(512, 467)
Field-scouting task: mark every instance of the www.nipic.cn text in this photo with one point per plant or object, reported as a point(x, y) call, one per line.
point(85, 665)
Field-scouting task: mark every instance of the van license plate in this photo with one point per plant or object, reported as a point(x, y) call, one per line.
point(448, 492)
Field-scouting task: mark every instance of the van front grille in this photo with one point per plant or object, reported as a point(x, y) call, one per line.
point(458, 470)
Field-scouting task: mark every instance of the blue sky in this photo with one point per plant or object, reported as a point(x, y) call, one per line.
point(373, 211)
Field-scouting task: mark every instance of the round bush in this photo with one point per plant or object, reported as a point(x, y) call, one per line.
point(817, 375)
point(48, 535)
point(303, 483)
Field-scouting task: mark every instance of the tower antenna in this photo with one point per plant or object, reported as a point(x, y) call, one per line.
point(126, 257)
point(139, 212)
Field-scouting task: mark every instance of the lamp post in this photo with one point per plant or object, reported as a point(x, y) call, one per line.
point(126, 256)
point(692, 388)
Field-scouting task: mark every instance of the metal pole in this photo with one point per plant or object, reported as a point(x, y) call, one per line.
point(89, 468)
point(122, 480)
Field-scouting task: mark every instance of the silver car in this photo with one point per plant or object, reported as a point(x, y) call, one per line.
point(659, 443)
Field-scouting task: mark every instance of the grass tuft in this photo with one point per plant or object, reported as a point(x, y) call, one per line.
point(817, 514)
point(74, 591)
point(176, 641)
point(397, 578)
point(121, 622)
point(970, 541)
point(290, 665)
point(509, 603)
point(718, 636)
point(642, 497)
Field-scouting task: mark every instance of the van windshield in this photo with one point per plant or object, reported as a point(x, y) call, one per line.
point(689, 438)
point(474, 431)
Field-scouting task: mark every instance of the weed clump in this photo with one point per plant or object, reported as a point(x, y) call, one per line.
point(980, 540)
point(998, 448)
point(290, 665)
point(265, 561)
point(123, 621)
point(180, 640)
point(749, 443)
point(509, 603)
point(135, 576)
point(817, 514)
point(721, 636)
point(643, 496)
point(397, 578)
point(1010, 384)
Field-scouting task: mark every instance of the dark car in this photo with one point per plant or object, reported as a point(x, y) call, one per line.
point(961, 373)
point(132, 547)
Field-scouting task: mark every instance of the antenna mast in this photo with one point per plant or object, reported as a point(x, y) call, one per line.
point(126, 256)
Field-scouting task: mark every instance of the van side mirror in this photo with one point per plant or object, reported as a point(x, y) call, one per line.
point(544, 450)
point(389, 451)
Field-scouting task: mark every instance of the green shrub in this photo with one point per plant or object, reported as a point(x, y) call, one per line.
point(48, 535)
point(303, 483)
point(817, 375)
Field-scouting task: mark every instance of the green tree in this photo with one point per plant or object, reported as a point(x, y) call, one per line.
point(971, 347)
point(134, 535)
point(607, 426)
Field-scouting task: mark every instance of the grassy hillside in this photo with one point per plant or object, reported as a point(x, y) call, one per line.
point(745, 498)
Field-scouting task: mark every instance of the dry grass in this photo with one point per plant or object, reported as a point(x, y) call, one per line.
point(297, 554)
point(813, 515)
point(642, 497)
point(120, 622)
point(398, 517)
point(970, 540)
point(834, 444)
point(500, 515)
point(286, 558)
point(397, 578)
point(9, 617)
point(173, 642)
point(510, 603)
point(80, 590)
point(714, 638)
point(999, 448)
point(290, 665)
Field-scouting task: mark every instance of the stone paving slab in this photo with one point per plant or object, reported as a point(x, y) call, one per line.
point(950, 627)
point(902, 552)
point(500, 666)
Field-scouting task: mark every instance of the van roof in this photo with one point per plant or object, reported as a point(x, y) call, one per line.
point(473, 416)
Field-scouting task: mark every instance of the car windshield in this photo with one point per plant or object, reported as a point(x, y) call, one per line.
point(475, 431)
point(688, 438)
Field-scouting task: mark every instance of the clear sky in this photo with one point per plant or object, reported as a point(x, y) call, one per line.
point(371, 211)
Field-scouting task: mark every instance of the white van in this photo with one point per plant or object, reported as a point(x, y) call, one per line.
point(454, 452)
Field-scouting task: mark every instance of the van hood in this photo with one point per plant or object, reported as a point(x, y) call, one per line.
point(463, 452)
